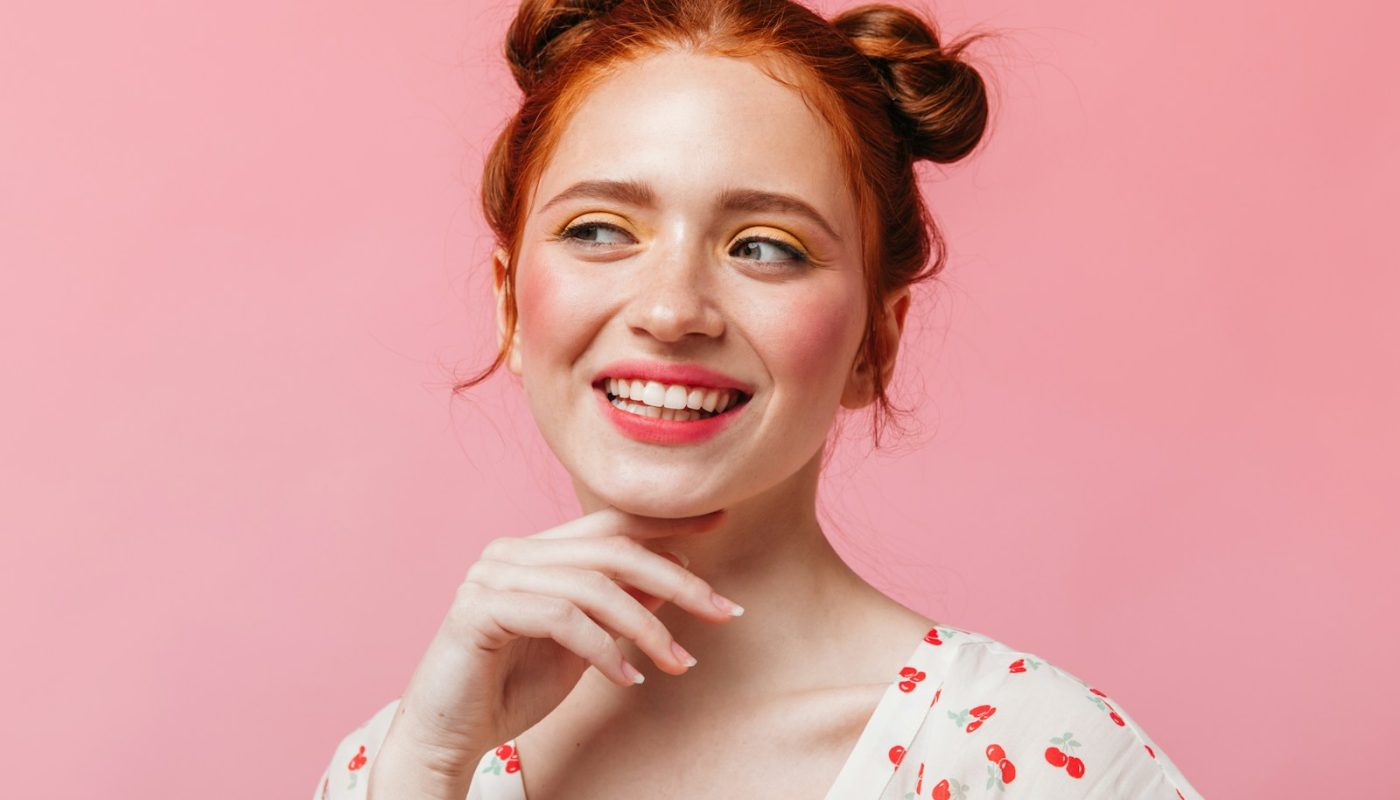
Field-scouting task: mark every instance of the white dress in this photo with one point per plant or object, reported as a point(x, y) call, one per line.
point(966, 718)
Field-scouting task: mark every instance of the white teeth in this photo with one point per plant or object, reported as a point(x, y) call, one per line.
point(671, 397)
point(676, 414)
point(654, 394)
point(675, 397)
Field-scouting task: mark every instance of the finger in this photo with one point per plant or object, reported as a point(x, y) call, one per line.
point(540, 616)
point(599, 597)
point(611, 521)
point(623, 559)
point(650, 601)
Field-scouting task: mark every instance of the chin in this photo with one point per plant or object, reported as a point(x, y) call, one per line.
point(661, 500)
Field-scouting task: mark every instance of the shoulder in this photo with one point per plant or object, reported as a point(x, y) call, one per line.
point(345, 777)
point(1009, 719)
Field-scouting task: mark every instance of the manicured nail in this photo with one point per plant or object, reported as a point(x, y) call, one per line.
point(685, 658)
point(632, 674)
point(727, 606)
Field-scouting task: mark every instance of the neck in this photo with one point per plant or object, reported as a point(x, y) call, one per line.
point(770, 556)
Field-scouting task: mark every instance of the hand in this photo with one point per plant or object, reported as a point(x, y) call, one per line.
point(533, 613)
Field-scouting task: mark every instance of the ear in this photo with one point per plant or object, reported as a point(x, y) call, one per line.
point(860, 384)
point(500, 259)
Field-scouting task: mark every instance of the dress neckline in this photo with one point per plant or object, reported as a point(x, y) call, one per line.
point(897, 717)
point(871, 764)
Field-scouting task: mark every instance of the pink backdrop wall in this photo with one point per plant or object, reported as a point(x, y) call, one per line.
point(242, 257)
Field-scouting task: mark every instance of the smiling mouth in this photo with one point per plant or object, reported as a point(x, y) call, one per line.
point(660, 401)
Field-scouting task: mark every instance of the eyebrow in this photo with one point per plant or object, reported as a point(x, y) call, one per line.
point(640, 194)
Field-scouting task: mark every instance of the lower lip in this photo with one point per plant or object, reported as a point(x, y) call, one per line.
point(666, 431)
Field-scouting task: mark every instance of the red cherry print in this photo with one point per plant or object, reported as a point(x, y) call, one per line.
point(358, 760)
point(912, 676)
point(504, 751)
point(512, 765)
point(1149, 751)
point(932, 636)
point(978, 714)
point(936, 694)
point(1019, 665)
point(1008, 770)
point(941, 792)
point(1058, 757)
point(896, 754)
point(1113, 715)
point(995, 753)
point(919, 785)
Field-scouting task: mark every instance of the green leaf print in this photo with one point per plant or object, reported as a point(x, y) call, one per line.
point(994, 778)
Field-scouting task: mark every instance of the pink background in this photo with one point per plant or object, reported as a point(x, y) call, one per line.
point(242, 261)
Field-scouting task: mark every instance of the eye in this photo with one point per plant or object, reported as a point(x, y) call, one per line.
point(754, 246)
point(581, 231)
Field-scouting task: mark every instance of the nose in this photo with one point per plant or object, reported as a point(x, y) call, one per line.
point(673, 298)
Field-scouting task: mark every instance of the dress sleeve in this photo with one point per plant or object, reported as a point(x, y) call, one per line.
point(1008, 724)
point(345, 778)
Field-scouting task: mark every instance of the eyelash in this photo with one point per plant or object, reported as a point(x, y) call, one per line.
point(797, 256)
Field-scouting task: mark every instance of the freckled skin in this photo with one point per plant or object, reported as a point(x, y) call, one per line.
point(690, 126)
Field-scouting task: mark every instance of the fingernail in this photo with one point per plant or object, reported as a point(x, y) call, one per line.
point(729, 607)
point(632, 674)
point(686, 658)
point(679, 558)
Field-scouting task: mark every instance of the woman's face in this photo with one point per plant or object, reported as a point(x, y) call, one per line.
point(655, 236)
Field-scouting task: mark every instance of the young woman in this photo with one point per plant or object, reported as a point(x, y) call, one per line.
point(708, 227)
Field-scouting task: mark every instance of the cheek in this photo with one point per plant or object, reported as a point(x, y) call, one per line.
point(550, 308)
point(810, 338)
point(534, 295)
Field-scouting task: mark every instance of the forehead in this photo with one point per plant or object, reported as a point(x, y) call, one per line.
point(693, 125)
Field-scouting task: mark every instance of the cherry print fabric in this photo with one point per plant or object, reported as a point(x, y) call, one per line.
point(972, 718)
point(965, 718)
point(497, 775)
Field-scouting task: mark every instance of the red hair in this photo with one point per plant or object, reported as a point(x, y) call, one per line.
point(876, 74)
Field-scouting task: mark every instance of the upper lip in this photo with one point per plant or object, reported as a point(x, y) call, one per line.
point(694, 375)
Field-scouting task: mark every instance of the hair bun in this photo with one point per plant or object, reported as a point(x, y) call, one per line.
point(940, 101)
point(543, 30)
